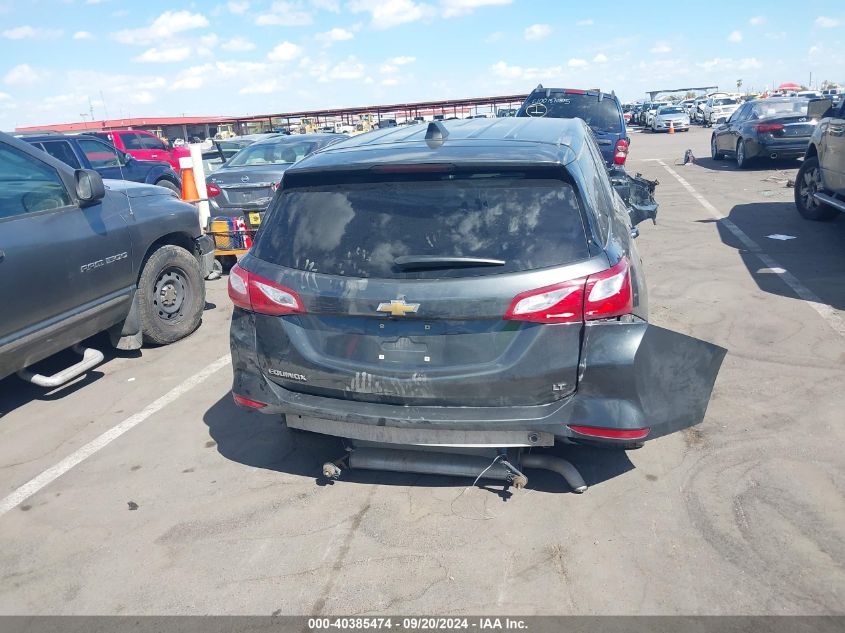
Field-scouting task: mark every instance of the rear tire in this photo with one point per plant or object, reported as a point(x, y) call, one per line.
point(807, 183)
point(172, 295)
point(742, 161)
point(169, 185)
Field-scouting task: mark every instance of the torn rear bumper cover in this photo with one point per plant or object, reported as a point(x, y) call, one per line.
point(631, 376)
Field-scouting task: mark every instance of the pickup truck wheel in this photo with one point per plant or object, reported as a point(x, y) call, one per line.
point(807, 183)
point(168, 185)
point(172, 295)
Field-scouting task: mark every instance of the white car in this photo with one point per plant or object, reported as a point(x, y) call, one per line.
point(670, 117)
point(649, 115)
point(719, 109)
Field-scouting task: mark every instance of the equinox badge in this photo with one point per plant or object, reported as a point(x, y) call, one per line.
point(398, 307)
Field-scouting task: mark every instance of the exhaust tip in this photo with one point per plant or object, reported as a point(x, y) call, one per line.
point(773, 155)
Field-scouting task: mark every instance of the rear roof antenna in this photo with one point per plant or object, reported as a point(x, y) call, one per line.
point(436, 134)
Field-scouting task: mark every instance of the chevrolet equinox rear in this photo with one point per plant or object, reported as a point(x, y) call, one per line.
point(465, 283)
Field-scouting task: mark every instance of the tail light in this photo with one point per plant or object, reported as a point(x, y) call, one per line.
point(763, 128)
point(256, 294)
point(600, 296)
point(610, 434)
point(213, 190)
point(620, 152)
point(246, 402)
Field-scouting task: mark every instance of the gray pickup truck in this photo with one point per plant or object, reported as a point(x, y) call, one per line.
point(79, 256)
point(820, 184)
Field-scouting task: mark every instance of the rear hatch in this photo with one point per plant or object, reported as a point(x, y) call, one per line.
point(386, 321)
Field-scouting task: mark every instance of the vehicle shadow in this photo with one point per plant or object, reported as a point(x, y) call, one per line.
point(759, 165)
point(15, 392)
point(263, 441)
point(815, 257)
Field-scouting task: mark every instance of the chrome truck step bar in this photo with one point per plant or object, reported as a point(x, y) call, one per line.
point(90, 358)
point(431, 462)
point(836, 203)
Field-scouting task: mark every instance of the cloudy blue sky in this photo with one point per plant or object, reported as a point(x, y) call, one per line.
point(157, 58)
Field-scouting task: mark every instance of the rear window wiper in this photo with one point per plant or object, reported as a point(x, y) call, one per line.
point(425, 262)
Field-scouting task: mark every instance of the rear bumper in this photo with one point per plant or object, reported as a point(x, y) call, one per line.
point(632, 376)
point(783, 149)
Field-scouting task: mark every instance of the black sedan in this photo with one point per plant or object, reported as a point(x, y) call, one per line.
point(768, 128)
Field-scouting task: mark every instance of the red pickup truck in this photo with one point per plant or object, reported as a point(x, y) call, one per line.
point(145, 146)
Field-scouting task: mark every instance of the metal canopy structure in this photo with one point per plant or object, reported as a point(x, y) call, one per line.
point(653, 93)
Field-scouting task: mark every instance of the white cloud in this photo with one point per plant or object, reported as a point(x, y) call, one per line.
point(735, 37)
point(600, 58)
point(720, 63)
point(537, 32)
point(587, 22)
point(660, 48)
point(512, 73)
point(24, 74)
point(334, 35)
point(237, 45)
point(82, 35)
point(824, 22)
point(164, 55)
point(284, 52)
point(27, 32)
point(4, 96)
point(392, 65)
point(389, 81)
point(285, 14)
point(252, 77)
point(164, 26)
point(326, 5)
point(350, 68)
point(385, 14)
point(455, 8)
point(577, 63)
point(237, 8)
point(757, 20)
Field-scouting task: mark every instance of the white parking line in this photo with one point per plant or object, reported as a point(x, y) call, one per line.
point(829, 314)
point(54, 472)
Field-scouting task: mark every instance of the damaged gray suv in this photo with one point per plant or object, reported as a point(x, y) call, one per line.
point(465, 284)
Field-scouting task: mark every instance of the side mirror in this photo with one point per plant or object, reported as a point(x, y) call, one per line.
point(89, 187)
point(819, 108)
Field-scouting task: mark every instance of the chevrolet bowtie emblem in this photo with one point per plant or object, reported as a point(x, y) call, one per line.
point(398, 307)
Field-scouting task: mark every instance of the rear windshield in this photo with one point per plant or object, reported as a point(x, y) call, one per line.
point(358, 230)
point(726, 101)
point(767, 108)
point(600, 115)
point(283, 153)
point(671, 110)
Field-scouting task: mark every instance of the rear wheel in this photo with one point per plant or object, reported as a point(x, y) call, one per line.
point(742, 159)
point(168, 185)
point(715, 154)
point(172, 294)
point(807, 184)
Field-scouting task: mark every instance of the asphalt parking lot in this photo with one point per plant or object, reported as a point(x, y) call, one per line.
point(199, 507)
